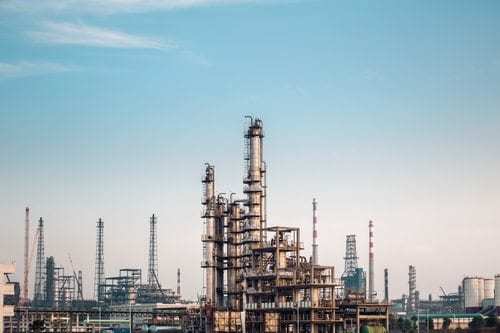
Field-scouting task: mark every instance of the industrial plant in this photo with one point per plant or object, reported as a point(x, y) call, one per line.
point(256, 278)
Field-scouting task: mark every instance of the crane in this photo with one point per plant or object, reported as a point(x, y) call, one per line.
point(78, 282)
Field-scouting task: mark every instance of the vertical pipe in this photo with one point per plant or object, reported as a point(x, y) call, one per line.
point(315, 234)
point(371, 264)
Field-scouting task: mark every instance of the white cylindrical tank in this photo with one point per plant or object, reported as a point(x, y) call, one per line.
point(497, 290)
point(489, 288)
point(473, 292)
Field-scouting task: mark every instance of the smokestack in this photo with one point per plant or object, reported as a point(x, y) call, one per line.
point(371, 264)
point(386, 285)
point(25, 299)
point(179, 282)
point(315, 235)
point(412, 287)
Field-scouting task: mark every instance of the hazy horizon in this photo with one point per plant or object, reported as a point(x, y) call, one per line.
point(382, 111)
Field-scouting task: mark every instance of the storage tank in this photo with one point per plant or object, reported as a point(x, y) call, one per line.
point(473, 293)
point(497, 290)
point(489, 288)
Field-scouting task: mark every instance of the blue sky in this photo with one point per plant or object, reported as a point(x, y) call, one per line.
point(384, 110)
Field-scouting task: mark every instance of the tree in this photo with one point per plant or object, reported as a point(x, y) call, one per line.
point(446, 323)
point(476, 323)
point(491, 321)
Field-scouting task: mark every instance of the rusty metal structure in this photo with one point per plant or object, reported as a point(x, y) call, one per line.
point(256, 278)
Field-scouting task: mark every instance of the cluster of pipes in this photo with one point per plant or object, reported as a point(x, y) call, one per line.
point(240, 224)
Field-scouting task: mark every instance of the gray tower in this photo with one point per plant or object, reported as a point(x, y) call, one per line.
point(153, 252)
point(39, 293)
point(99, 261)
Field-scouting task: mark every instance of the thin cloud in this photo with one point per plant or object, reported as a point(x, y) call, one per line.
point(80, 34)
point(23, 69)
point(119, 6)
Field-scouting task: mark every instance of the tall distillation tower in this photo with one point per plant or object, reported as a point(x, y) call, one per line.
point(255, 186)
point(153, 252)
point(39, 294)
point(208, 238)
point(99, 261)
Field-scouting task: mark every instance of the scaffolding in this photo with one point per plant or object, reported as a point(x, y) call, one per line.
point(153, 251)
point(99, 261)
point(39, 293)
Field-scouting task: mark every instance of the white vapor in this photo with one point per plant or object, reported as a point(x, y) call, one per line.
point(80, 34)
point(23, 69)
point(117, 6)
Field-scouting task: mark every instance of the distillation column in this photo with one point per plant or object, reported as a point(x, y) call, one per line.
point(255, 186)
point(220, 222)
point(209, 237)
point(234, 273)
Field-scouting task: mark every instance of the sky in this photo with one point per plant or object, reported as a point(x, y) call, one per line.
point(382, 110)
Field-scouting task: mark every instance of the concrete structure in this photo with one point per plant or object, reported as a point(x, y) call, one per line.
point(6, 288)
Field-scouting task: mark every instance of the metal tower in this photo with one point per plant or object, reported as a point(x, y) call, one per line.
point(153, 253)
point(351, 256)
point(208, 238)
point(178, 282)
point(39, 294)
point(25, 299)
point(371, 278)
point(99, 261)
point(412, 287)
point(315, 235)
point(255, 183)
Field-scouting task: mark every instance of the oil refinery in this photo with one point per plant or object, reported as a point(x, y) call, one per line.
point(256, 278)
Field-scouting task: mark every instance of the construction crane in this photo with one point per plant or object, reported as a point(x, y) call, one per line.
point(444, 292)
point(78, 282)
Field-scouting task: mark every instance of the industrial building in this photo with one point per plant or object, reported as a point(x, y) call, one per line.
point(256, 277)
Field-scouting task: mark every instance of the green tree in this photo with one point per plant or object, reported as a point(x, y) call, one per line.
point(491, 321)
point(446, 323)
point(476, 324)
